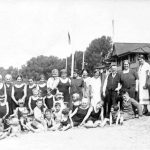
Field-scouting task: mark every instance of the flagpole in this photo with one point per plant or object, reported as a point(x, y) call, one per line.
point(66, 63)
point(113, 24)
point(72, 60)
point(113, 31)
point(72, 64)
point(83, 60)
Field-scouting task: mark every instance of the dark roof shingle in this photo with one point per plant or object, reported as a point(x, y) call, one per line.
point(122, 48)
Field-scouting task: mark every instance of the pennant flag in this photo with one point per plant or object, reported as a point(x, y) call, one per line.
point(69, 39)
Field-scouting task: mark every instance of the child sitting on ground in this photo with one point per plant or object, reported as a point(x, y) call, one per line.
point(59, 98)
point(96, 116)
point(57, 116)
point(80, 115)
point(20, 110)
point(49, 119)
point(76, 101)
point(26, 122)
point(39, 111)
point(66, 122)
point(14, 130)
point(127, 109)
point(114, 116)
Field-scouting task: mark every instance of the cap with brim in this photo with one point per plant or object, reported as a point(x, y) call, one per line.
point(141, 57)
point(113, 64)
point(107, 64)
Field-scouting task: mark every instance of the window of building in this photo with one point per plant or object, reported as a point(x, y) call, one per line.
point(118, 62)
point(132, 58)
point(124, 58)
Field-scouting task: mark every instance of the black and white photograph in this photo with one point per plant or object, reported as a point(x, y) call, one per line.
point(75, 74)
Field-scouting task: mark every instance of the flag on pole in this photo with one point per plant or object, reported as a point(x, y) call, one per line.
point(69, 39)
point(113, 30)
point(72, 61)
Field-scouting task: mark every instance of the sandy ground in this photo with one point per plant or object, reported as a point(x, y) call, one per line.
point(133, 135)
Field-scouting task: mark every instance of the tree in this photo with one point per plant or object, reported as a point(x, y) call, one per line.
point(13, 71)
point(41, 65)
point(2, 71)
point(97, 51)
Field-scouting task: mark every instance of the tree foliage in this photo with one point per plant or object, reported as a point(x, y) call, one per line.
point(42, 65)
point(94, 56)
point(11, 70)
point(77, 61)
point(97, 51)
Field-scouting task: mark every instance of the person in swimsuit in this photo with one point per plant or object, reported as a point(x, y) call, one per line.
point(81, 113)
point(31, 85)
point(20, 110)
point(66, 122)
point(64, 85)
point(42, 86)
point(76, 101)
point(33, 99)
point(8, 85)
point(2, 87)
point(18, 91)
point(96, 116)
point(49, 119)
point(49, 99)
point(114, 116)
point(4, 108)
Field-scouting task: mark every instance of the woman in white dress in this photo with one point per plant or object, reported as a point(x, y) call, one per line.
point(143, 91)
point(95, 88)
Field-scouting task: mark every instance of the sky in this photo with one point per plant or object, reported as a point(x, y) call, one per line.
point(29, 28)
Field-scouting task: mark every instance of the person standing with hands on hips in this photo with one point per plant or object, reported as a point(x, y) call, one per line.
point(112, 88)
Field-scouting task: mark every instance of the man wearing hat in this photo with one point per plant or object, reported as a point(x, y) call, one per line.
point(144, 70)
point(112, 89)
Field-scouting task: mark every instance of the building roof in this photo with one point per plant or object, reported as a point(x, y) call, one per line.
point(124, 48)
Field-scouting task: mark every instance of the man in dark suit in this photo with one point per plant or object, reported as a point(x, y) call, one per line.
point(112, 89)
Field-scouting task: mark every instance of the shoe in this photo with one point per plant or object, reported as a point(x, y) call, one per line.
point(136, 116)
point(145, 112)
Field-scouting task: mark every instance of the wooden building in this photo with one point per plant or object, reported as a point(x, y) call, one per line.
point(130, 51)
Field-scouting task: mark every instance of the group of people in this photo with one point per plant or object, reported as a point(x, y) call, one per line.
point(62, 102)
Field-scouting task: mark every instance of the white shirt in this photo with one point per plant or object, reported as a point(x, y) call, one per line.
point(38, 113)
point(52, 83)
